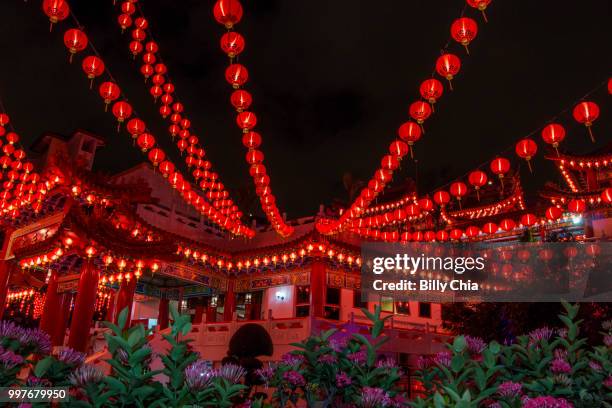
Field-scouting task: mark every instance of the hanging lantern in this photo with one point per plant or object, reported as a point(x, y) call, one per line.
point(507, 225)
point(93, 67)
point(442, 236)
point(246, 121)
point(586, 113)
point(456, 234)
point(441, 198)
point(431, 90)
point(490, 228)
point(135, 127)
point(526, 149)
point(4, 119)
point(472, 231)
point(413, 210)
point(236, 75)
point(553, 213)
point(232, 43)
point(254, 157)
point(109, 91)
point(577, 206)
point(500, 166)
point(447, 66)
point(458, 189)
point(477, 179)
point(122, 110)
point(398, 149)
point(241, 99)
point(156, 156)
point(480, 5)
point(425, 204)
point(464, 30)
point(606, 195)
point(227, 12)
point(125, 21)
point(389, 162)
point(409, 132)
point(251, 140)
point(419, 111)
point(528, 220)
point(553, 134)
point(75, 40)
point(56, 10)
point(145, 141)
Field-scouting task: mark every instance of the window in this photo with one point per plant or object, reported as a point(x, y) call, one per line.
point(402, 308)
point(424, 309)
point(357, 302)
point(333, 296)
point(386, 304)
point(302, 294)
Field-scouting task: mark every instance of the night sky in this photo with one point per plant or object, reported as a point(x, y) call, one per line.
point(331, 81)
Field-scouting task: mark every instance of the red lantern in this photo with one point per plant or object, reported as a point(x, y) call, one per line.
point(507, 225)
point(4, 119)
point(145, 141)
point(246, 121)
point(241, 100)
point(227, 12)
point(166, 168)
point(389, 162)
point(606, 195)
point(409, 132)
point(109, 91)
point(417, 236)
point(553, 134)
point(419, 111)
point(442, 236)
point(413, 210)
point(398, 149)
point(447, 66)
point(93, 67)
point(156, 156)
point(500, 166)
point(441, 198)
point(528, 220)
point(458, 190)
point(464, 30)
point(431, 90)
point(56, 10)
point(456, 234)
point(429, 236)
point(477, 179)
point(135, 127)
point(526, 149)
point(254, 157)
point(251, 140)
point(232, 43)
point(426, 204)
point(576, 206)
point(122, 110)
point(124, 21)
point(553, 213)
point(405, 237)
point(472, 231)
point(490, 228)
point(586, 113)
point(480, 5)
point(236, 75)
point(75, 40)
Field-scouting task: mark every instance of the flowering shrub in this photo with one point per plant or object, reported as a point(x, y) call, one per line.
point(331, 370)
point(16, 346)
point(545, 369)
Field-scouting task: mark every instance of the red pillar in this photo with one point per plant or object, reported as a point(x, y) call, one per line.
point(84, 307)
point(162, 317)
point(51, 311)
point(125, 298)
point(230, 301)
point(199, 312)
point(59, 331)
point(317, 287)
point(5, 272)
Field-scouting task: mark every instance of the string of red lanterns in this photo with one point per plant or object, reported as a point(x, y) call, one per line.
point(162, 90)
point(94, 67)
point(229, 13)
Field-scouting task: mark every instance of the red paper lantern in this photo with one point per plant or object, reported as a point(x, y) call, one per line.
point(526, 149)
point(109, 91)
point(553, 134)
point(227, 12)
point(606, 195)
point(156, 156)
point(472, 231)
point(458, 189)
point(409, 132)
point(236, 75)
point(135, 127)
point(447, 66)
point(93, 67)
point(477, 179)
point(56, 10)
point(413, 210)
point(145, 141)
point(246, 121)
point(490, 228)
point(398, 149)
point(125, 21)
point(464, 30)
point(480, 5)
point(442, 236)
point(553, 213)
point(122, 110)
point(254, 157)
point(441, 198)
point(500, 166)
point(429, 236)
point(586, 113)
point(419, 111)
point(426, 204)
point(75, 40)
point(4, 119)
point(417, 236)
point(389, 162)
point(405, 236)
point(431, 90)
point(528, 220)
point(576, 206)
point(507, 224)
point(232, 43)
point(251, 140)
point(241, 99)
point(456, 234)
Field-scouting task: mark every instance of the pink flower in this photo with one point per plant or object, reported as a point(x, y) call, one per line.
point(294, 378)
point(509, 389)
point(359, 357)
point(292, 359)
point(443, 358)
point(595, 366)
point(327, 359)
point(374, 398)
point(560, 366)
point(546, 402)
point(266, 373)
point(608, 382)
point(538, 335)
point(423, 362)
point(10, 360)
point(343, 380)
point(475, 345)
point(608, 340)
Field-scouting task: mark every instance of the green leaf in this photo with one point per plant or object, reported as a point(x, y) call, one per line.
point(459, 344)
point(116, 385)
point(43, 365)
point(457, 363)
point(122, 319)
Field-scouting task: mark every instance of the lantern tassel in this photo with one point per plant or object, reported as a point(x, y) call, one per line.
point(557, 150)
point(433, 107)
point(529, 165)
point(591, 134)
point(484, 16)
point(411, 152)
point(51, 26)
point(71, 57)
point(450, 84)
point(478, 194)
point(467, 50)
point(460, 207)
point(106, 107)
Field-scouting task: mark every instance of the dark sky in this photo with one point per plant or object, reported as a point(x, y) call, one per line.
point(332, 80)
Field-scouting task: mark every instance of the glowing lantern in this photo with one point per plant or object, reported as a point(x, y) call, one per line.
point(458, 190)
point(576, 206)
point(413, 210)
point(135, 127)
point(236, 75)
point(75, 40)
point(528, 220)
point(145, 141)
point(227, 12)
point(90, 251)
point(398, 149)
point(464, 30)
point(606, 195)
point(456, 234)
point(526, 149)
point(246, 121)
point(441, 198)
point(93, 67)
point(409, 132)
point(426, 204)
point(553, 213)
point(477, 179)
point(442, 236)
point(109, 91)
point(480, 5)
point(156, 156)
point(419, 111)
point(56, 10)
point(447, 66)
point(507, 225)
point(254, 157)
point(121, 110)
point(389, 162)
point(553, 134)
point(490, 228)
point(232, 43)
point(500, 166)
point(586, 113)
point(431, 90)
point(241, 99)
point(472, 231)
